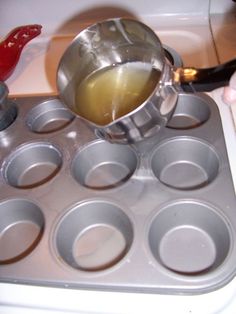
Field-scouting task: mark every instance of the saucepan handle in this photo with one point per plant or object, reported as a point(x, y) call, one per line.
point(205, 79)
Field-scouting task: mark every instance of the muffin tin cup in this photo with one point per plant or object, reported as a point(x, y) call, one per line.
point(101, 165)
point(21, 228)
point(80, 212)
point(31, 165)
point(98, 235)
point(189, 238)
point(191, 112)
point(49, 116)
point(185, 163)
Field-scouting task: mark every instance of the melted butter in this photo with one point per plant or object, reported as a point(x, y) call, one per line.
point(112, 92)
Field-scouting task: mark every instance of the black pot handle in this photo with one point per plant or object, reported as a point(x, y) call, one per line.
point(205, 79)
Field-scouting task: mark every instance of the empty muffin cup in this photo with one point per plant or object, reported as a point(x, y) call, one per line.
point(190, 112)
point(190, 238)
point(32, 165)
point(49, 116)
point(21, 228)
point(185, 163)
point(102, 165)
point(98, 236)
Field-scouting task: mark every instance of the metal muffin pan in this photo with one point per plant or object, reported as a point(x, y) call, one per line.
point(76, 211)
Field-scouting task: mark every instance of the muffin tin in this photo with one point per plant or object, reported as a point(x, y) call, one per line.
point(76, 211)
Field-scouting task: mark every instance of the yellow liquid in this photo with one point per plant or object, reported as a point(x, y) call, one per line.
point(112, 92)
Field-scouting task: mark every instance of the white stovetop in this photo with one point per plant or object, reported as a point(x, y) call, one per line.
point(183, 25)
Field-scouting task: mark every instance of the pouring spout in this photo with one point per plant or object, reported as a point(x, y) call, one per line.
point(204, 79)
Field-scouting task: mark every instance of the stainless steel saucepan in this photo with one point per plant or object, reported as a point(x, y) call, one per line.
point(124, 41)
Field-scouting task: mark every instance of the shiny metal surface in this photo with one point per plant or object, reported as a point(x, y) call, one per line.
point(111, 42)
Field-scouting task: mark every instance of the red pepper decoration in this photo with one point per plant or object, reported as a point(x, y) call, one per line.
point(12, 45)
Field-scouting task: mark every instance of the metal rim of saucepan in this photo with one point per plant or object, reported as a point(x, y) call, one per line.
point(159, 58)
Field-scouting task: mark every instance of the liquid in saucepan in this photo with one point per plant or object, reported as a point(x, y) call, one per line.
point(112, 92)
